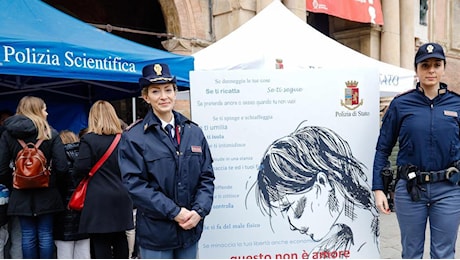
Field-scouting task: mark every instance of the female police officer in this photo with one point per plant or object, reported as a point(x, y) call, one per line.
point(166, 165)
point(425, 122)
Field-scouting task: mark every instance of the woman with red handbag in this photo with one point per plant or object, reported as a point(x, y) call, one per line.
point(107, 211)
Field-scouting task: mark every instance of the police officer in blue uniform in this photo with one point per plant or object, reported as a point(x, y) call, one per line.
point(426, 122)
point(166, 166)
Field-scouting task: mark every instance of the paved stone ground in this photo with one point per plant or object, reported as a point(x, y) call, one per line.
point(390, 244)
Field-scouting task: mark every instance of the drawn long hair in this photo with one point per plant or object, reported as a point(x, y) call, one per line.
point(291, 164)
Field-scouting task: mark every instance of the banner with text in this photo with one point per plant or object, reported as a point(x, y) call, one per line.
point(363, 11)
point(293, 153)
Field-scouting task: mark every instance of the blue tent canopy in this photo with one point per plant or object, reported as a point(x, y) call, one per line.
point(47, 53)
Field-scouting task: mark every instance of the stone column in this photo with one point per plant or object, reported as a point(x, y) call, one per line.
point(298, 7)
point(261, 4)
point(407, 16)
point(390, 41)
point(231, 14)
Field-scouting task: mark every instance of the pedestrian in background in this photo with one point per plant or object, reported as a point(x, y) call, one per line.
point(13, 248)
point(4, 114)
point(34, 207)
point(167, 167)
point(426, 123)
point(131, 234)
point(4, 196)
point(107, 212)
point(70, 244)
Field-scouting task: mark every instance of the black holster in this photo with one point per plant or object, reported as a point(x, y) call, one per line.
point(409, 173)
point(387, 177)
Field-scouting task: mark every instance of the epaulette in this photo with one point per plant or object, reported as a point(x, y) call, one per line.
point(133, 124)
point(405, 92)
point(191, 122)
point(453, 92)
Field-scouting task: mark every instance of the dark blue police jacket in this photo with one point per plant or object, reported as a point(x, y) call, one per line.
point(427, 130)
point(162, 179)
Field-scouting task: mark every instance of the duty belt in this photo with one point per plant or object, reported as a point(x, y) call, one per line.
point(409, 172)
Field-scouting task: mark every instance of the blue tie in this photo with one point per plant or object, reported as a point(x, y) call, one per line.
point(169, 130)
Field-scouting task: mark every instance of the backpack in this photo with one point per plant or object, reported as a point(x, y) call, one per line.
point(30, 167)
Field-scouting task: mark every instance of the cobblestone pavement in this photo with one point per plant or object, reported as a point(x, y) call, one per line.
point(390, 244)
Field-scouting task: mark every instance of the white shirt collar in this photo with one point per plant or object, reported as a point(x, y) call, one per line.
point(164, 124)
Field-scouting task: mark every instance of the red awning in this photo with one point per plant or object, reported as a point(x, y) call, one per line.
point(363, 11)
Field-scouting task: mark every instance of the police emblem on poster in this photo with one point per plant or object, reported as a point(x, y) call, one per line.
point(351, 95)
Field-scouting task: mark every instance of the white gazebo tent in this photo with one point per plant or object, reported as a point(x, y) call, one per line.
point(276, 33)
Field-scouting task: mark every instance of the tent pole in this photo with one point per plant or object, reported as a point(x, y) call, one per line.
point(134, 109)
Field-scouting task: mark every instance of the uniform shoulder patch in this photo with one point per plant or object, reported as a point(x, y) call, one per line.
point(133, 124)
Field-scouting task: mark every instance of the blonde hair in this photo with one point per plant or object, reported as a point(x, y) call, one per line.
point(145, 90)
point(103, 119)
point(32, 107)
point(68, 137)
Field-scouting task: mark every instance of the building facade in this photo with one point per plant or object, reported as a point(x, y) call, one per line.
point(407, 24)
point(187, 26)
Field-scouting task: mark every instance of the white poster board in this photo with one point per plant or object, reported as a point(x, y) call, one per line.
point(293, 153)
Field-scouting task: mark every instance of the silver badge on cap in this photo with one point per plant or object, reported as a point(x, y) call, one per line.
point(429, 48)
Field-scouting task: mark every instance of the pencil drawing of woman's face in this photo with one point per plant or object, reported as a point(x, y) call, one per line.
point(312, 178)
point(309, 212)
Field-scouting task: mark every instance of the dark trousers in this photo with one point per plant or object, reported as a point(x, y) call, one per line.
point(110, 245)
point(439, 206)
